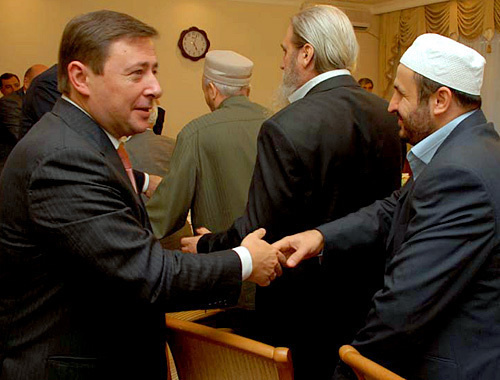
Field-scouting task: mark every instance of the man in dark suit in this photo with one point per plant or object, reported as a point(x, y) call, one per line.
point(331, 151)
point(437, 315)
point(83, 282)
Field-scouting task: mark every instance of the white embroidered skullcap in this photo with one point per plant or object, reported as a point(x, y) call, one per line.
point(228, 67)
point(447, 62)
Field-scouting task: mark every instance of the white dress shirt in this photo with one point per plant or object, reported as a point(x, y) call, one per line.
point(306, 87)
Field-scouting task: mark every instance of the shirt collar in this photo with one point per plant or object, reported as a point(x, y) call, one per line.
point(305, 88)
point(116, 142)
point(422, 153)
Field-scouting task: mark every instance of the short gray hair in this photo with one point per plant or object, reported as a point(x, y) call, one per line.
point(225, 89)
point(330, 32)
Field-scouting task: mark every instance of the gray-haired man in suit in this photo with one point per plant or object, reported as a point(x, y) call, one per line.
point(84, 284)
point(333, 150)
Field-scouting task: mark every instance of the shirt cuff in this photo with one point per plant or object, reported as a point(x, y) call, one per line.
point(146, 183)
point(246, 261)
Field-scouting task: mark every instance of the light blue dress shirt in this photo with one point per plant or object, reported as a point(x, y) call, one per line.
point(421, 154)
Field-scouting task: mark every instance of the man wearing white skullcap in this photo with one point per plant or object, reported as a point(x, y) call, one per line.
point(437, 316)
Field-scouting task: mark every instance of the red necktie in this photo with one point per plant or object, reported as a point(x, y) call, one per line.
point(126, 163)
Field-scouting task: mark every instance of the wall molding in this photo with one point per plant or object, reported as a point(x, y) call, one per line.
point(273, 2)
point(396, 5)
point(378, 8)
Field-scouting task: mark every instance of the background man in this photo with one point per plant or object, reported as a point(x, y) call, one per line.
point(83, 282)
point(9, 83)
point(366, 83)
point(150, 153)
point(331, 151)
point(437, 315)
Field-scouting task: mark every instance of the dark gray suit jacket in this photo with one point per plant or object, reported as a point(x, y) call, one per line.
point(40, 98)
point(437, 316)
point(323, 156)
point(150, 153)
point(10, 123)
point(83, 282)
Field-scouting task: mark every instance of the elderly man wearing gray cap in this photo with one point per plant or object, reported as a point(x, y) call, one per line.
point(214, 156)
point(437, 315)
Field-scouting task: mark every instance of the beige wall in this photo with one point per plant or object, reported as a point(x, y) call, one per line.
point(31, 30)
point(368, 54)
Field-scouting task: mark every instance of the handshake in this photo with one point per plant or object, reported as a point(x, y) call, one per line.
point(267, 259)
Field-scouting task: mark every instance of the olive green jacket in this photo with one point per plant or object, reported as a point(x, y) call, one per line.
point(210, 170)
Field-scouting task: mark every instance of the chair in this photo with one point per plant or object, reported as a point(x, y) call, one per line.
point(204, 353)
point(364, 368)
point(198, 316)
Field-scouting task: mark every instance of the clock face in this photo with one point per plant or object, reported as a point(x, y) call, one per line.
point(194, 43)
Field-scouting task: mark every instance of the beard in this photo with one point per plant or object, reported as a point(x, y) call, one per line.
point(289, 84)
point(417, 125)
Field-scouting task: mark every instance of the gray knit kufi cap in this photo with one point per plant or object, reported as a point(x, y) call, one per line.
point(227, 67)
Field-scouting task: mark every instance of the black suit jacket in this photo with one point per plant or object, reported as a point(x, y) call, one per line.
point(437, 316)
point(40, 98)
point(10, 123)
point(323, 156)
point(83, 282)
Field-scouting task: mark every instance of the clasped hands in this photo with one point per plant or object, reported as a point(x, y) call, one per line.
point(267, 259)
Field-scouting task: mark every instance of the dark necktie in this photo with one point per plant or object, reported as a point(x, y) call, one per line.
point(126, 163)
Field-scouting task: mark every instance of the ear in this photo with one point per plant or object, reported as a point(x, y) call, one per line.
point(78, 77)
point(441, 101)
point(212, 91)
point(306, 55)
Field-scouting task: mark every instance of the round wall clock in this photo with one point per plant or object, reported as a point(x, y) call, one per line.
point(194, 43)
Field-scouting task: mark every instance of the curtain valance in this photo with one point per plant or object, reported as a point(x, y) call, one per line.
point(469, 19)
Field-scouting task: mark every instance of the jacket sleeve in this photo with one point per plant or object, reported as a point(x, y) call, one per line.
point(91, 217)
point(361, 229)
point(169, 206)
point(275, 192)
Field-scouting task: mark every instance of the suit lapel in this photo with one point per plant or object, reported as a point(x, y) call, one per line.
point(85, 126)
point(401, 218)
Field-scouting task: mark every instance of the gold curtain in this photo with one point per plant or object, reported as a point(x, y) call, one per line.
point(469, 19)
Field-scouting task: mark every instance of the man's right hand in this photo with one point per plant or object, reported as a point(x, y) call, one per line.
point(299, 247)
point(265, 263)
